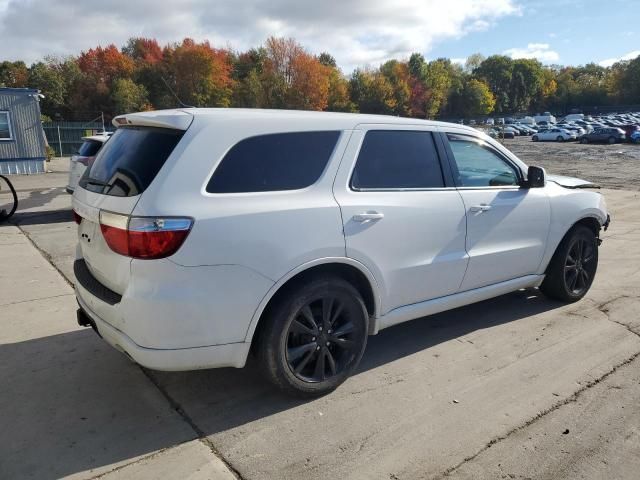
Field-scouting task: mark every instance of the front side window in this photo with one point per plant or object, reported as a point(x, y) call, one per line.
point(479, 166)
point(5, 126)
point(274, 162)
point(392, 159)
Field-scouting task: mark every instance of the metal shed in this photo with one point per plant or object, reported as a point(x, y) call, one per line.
point(22, 140)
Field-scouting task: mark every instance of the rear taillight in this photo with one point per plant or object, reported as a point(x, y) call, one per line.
point(144, 237)
point(76, 217)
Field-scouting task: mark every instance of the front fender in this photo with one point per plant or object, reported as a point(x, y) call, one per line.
point(568, 207)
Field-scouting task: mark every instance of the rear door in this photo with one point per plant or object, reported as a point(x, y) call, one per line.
point(507, 225)
point(121, 172)
point(402, 217)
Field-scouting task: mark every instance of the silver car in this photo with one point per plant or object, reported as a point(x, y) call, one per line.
point(84, 157)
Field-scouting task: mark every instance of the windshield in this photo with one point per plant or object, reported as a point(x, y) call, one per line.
point(130, 160)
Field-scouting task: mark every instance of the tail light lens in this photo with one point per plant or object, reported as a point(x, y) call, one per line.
point(144, 237)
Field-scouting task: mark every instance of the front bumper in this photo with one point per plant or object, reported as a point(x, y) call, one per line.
point(214, 356)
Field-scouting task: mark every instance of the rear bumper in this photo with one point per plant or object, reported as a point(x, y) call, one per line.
point(172, 317)
point(229, 355)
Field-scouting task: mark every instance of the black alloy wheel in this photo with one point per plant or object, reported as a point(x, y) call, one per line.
point(580, 266)
point(322, 340)
point(314, 336)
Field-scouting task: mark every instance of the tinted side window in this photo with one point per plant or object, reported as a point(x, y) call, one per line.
point(479, 166)
point(280, 161)
point(397, 159)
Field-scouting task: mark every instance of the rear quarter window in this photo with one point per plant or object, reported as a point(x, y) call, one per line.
point(274, 162)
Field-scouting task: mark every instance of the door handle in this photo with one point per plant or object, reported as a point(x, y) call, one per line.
point(480, 208)
point(368, 217)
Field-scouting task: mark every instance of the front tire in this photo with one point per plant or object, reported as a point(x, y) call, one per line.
point(584, 140)
point(314, 337)
point(612, 140)
point(534, 138)
point(573, 266)
point(560, 139)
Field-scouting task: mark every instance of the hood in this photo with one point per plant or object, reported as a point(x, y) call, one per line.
point(571, 182)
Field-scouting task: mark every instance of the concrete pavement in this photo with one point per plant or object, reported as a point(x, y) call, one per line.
point(479, 392)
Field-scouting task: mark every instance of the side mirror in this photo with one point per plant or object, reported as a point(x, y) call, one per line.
point(535, 177)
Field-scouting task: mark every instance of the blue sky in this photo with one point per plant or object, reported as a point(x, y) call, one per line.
point(357, 32)
point(577, 32)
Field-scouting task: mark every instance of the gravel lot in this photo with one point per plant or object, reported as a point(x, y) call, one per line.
point(611, 166)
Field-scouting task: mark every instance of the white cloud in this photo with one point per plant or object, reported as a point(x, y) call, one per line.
point(610, 61)
point(540, 51)
point(356, 32)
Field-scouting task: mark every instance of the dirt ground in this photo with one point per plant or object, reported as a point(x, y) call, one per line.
point(611, 166)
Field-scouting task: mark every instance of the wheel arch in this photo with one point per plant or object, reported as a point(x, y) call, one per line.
point(591, 221)
point(351, 270)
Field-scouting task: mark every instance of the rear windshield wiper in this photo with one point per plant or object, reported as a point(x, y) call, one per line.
point(95, 181)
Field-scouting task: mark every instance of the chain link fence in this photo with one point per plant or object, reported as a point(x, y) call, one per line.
point(66, 137)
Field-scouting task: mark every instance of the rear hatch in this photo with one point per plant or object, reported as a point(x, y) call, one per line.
point(114, 183)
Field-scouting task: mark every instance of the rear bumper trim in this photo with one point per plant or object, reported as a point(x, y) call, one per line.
point(92, 285)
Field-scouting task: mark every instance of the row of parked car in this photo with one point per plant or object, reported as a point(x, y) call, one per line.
point(614, 128)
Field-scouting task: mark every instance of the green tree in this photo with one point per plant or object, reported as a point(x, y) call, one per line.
point(497, 71)
point(127, 96)
point(477, 98)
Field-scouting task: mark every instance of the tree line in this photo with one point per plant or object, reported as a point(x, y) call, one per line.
point(144, 75)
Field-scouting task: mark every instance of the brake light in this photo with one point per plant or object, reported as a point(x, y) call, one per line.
point(144, 237)
point(76, 217)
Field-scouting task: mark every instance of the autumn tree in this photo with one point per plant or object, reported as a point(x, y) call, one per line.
point(199, 73)
point(13, 74)
point(397, 73)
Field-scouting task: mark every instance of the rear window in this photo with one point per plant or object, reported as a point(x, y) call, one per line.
point(274, 162)
point(89, 148)
point(395, 159)
point(130, 160)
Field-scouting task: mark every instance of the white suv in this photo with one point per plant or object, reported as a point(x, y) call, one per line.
point(206, 233)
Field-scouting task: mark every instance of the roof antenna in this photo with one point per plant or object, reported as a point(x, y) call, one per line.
point(180, 102)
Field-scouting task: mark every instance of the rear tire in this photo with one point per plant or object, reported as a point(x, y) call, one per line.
point(314, 337)
point(584, 141)
point(573, 266)
point(637, 140)
point(534, 138)
point(560, 139)
point(612, 140)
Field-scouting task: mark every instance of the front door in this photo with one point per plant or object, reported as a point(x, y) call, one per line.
point(507, 225)
point(402, 219)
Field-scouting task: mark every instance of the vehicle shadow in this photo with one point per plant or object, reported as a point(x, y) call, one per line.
point(72, 404)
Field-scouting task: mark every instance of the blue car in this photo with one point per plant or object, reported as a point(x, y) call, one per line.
point(635, 136)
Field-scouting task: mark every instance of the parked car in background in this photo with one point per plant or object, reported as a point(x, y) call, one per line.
point(501, 133)
point(554, 135)
point(207, 234)
point(629, 129)
point(84, 157)
point(545, 117)
point(607, 135)
point(572, 117)
point(635, 137)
